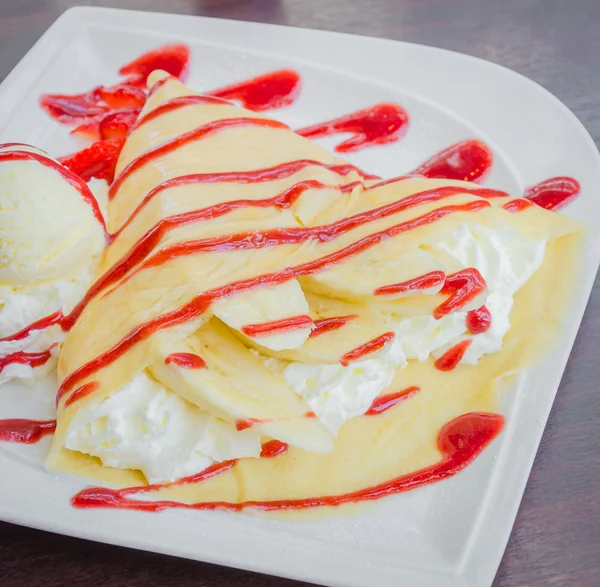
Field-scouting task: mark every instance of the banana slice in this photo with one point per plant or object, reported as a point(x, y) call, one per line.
point(276, 317)
point(236, 386)
point(382, 271)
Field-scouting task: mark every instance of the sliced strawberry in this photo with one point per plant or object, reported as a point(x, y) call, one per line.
point(99, 160)
point(111, 125)
point(173, 59)
point(118, 124)
point(69, 108)
point(123, 96)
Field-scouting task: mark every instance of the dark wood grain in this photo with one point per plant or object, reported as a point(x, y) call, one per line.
point(556, 540)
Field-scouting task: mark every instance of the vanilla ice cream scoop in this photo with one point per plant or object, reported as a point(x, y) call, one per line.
point(48, 227)
point(52, 235)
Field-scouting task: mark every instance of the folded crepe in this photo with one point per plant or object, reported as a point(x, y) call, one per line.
point(235, 239)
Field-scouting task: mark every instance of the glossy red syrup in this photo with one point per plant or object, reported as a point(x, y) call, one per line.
point(146, 244)
point(427, 281)
point(150, 240)
point(73, 180)
point(282, 171)
point(467, 161)
point(184, 139)
point(186, 361)
point(377, 125)
point(554, 193)
point(174, 59)
point(40, 324)
point(459, 442)
point(244, 424)
point(517, 205)
point(23, 431)
point(22, 358)
point(266, 92)
point(80, 393)
point(367, 348)
point(200, 303)
point(452, 357)
point(479, 320)
point(328, 324)
point(463, 286)
point(272, 449)
point(386, 402)
point(277, 326)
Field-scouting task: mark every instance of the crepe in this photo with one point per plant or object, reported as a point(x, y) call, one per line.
point(226, 222)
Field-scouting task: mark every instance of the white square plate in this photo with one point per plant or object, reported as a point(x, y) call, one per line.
point(451, 534)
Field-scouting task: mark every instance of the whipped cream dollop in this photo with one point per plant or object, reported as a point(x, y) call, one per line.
point(505, 259)
point(145, 426)
point(50, 247)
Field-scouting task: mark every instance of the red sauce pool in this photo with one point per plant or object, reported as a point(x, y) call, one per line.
point(554, 193)
point(265, 92)
point(469, 160)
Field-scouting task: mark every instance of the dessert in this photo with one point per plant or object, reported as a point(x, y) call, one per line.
point(271, 327)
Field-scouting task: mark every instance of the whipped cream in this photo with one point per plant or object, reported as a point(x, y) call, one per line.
point(505, 259)
point(50, 248)
point(146, 427)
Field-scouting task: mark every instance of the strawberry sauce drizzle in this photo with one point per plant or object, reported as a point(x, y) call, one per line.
point(282, 171)
point(377, 125)
point(469, 160)
point(460, 441)
point(80, 393)
point(265, 92)
point(199, 304)
point(175, 104)
point(426, 281)
point(328, 324)
point(386, 402)
point(150, 240)
point(517, 205)
point(273, 448)
point(453, 356)
point(25, 431)
point(22, 358)
point(186, 361)
point(464, 286)
point(479, 320)
point(40, 324)
point(277, 326)
point(184, 139)
point(366, 349)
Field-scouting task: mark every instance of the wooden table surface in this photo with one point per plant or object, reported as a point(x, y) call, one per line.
point(556, 539)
